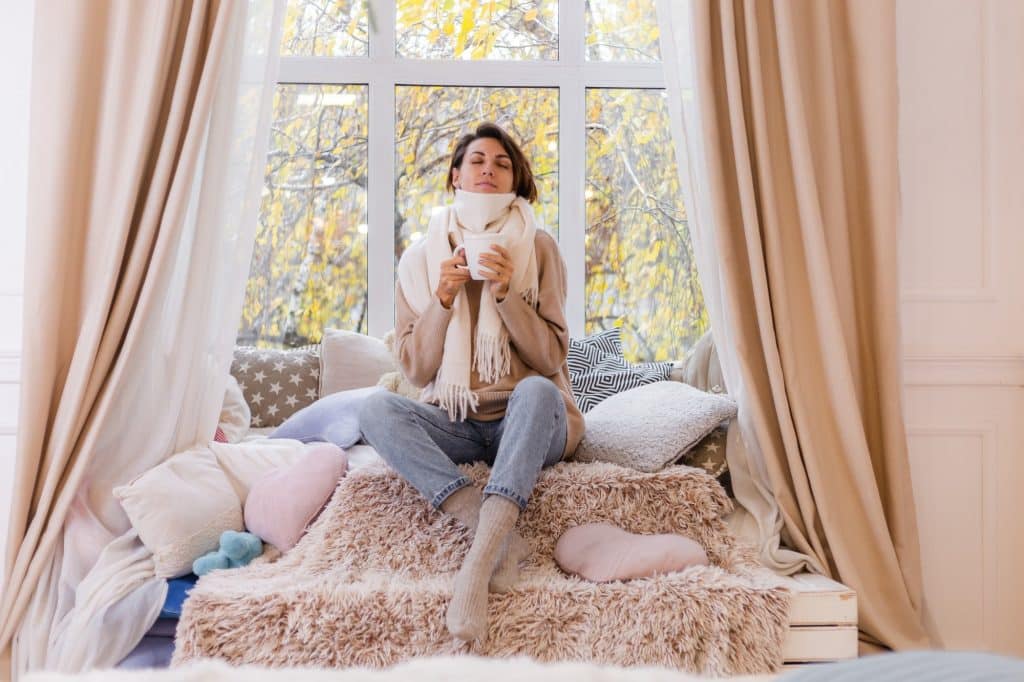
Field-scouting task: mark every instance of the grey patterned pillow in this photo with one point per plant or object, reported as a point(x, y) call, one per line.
point(276, 383)
point(598, 371)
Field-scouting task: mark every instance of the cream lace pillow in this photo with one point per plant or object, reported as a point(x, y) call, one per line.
point(349, 360)
point(180, 508)
point(245, 463)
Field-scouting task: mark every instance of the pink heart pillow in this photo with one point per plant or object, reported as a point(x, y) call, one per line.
point(283, 502)
point(601, 552)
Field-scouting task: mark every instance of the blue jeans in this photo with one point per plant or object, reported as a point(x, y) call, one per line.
point(422, 445)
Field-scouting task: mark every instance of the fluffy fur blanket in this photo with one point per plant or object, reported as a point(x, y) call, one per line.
point(369, 584)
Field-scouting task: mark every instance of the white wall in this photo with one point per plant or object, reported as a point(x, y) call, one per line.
point(15, 61)
point(962, 176)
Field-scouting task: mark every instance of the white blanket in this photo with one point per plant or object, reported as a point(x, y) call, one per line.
point(440, 669)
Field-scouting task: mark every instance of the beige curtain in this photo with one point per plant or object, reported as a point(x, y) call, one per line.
point(798, 105)
point(136, 257)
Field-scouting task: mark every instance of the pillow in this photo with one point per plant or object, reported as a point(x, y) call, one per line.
point(709, 454)
point(349, 360)
point(701, 368)
point(597, 369)
point(246, 462)
point(332, 419)
point(284, 502)
point(234, 414)
point(177, 593)
point(276, 383)
point(601, 552)
point(648, 427)
point(179, 509)
point(362, 456)
point(915, 666)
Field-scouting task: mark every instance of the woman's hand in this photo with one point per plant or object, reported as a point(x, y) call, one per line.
point(452, 279)
point(501, 269)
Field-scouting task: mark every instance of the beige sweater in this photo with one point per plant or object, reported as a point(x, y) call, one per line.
point(539, 340)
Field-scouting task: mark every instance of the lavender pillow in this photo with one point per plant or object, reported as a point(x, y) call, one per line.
point(285, 501)
point(601, 552)
point(332, 419)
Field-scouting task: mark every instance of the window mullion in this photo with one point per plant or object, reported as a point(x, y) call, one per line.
point(381, 173)
point(572, 219)
point(335, 70)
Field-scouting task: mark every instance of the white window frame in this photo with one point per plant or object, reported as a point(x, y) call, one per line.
point(382, 70)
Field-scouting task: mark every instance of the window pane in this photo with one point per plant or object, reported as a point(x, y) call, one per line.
point(429, 120)
point(325, 28)
point(471, 29)
point(641, 272)
point(622, 31)
point(309, 263)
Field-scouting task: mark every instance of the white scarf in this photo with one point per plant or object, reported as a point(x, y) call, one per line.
point(419, 272)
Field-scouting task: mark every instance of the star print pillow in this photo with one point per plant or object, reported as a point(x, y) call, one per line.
point(276, 383)
point(648, 427)
point(709, 454)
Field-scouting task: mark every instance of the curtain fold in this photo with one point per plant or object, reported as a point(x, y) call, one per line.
point(146, 152)
point(757, 518)
point(797, 110)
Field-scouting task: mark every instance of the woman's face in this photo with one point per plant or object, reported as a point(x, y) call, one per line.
point(486, 168)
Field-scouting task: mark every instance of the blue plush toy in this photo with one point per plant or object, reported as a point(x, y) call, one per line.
point(236, 550)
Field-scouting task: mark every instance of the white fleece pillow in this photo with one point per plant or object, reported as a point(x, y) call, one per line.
point(349, 360)
point(649, 427)
point(235, 413)
point(246, 462)
point(180, 508)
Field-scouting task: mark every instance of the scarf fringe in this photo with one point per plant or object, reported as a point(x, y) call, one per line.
point(492, 358)
point(453, 398)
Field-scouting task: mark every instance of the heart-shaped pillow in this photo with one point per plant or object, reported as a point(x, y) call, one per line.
point(601, 552)
point(283, 502)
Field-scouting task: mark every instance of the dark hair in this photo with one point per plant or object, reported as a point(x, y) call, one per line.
point(522, 176)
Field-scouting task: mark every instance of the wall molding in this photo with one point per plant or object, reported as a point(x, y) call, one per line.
point(987, 290)
point(982, 294)
point(964, 370)
point(10, 367)
point(987, 435)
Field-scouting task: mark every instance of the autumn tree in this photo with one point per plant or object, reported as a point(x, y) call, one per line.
point(309, 264)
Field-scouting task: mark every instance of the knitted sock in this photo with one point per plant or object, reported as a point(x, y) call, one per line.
point(506, 573)
point(467, 612)
point(464, 505)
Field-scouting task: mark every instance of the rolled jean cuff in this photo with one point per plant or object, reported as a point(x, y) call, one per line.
point(506, 492)
point(460, 482)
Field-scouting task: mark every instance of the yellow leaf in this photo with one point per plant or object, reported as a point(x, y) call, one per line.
point(531, 15)
point(467, 26)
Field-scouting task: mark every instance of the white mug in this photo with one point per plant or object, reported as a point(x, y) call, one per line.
point(475, 244)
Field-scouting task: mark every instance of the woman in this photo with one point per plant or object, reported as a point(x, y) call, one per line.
point(491, 356)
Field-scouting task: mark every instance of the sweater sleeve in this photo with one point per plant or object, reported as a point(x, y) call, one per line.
point(420, 338)
point(541, 336)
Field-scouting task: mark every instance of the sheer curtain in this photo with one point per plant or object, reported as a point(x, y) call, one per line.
point(757, 518)
point(147, 151)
